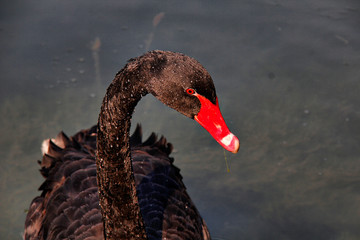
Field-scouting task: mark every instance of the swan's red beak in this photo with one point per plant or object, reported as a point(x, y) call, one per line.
point(211, 119)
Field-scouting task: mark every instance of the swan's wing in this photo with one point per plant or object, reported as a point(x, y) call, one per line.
point(68, 207)
point(166, 207)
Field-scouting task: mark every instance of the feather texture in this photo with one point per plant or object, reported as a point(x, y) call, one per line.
point(68, 207)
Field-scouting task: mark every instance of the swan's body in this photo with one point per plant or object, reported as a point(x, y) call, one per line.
point(140, 191)
point(70, 196)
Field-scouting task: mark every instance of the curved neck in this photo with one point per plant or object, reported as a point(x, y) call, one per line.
point(117, 191)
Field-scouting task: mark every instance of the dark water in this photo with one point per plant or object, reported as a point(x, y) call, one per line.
point(288, 80)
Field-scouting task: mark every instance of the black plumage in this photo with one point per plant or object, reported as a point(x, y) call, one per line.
point(69, 204)
point(102, 182)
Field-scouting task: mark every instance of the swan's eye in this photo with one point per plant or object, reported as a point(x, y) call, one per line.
point(190, 91)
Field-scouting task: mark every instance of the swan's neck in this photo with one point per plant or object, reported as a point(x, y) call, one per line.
point(117, 191)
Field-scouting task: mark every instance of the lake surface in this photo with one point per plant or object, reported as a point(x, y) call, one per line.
point(287, 75)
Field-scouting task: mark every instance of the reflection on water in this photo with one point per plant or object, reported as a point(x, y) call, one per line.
point(287, 79)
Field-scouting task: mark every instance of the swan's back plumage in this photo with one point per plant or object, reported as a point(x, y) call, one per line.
point(68, 207)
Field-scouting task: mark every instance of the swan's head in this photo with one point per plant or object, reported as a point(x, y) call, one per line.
point(183, 84)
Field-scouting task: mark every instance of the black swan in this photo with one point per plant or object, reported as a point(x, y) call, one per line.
point(102, 183)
